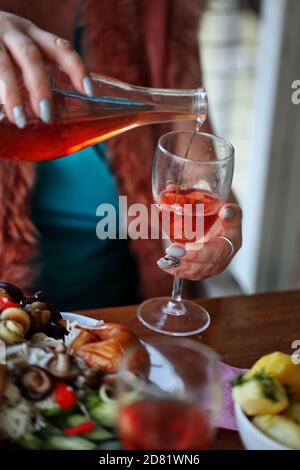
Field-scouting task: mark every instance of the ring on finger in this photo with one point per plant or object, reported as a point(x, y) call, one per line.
point(171, 261)
point(230, 243)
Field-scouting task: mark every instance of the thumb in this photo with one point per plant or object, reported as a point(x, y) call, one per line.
point(230, 215)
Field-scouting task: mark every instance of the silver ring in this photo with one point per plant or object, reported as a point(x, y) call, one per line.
point(172, 262)
point(230, 245)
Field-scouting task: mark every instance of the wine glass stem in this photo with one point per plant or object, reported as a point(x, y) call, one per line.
point(175, 305)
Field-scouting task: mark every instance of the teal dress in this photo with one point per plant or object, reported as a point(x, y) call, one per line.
point(77, 269)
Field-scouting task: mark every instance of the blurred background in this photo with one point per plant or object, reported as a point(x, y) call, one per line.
point(250, 56)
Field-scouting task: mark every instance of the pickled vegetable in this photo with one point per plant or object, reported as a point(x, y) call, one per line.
point(281, 367)
point(280, 428)
point(260, 394)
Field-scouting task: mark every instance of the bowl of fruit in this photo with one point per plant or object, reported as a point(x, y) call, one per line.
point(267, 404)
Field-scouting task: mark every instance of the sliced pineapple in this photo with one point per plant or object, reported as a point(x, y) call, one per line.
point(260, 394)
point(280, 428)
point(281, 367)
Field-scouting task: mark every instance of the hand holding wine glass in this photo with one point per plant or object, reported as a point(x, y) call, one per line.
point(189, 193)
point(215, 254)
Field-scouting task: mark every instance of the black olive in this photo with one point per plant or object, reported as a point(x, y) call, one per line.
point(35, 383)
point(55, 330)
point(55, 313)
point(13, 291)
point(41, 296)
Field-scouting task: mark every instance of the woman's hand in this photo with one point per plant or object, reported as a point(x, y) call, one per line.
point(215, 255)
point(26, 47)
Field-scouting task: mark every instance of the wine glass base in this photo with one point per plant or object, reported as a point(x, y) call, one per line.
point(155, 315)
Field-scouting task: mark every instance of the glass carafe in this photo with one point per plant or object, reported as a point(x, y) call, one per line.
point(80, 121)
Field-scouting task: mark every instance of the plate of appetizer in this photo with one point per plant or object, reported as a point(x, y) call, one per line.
point(267, 404)
point(57, 380)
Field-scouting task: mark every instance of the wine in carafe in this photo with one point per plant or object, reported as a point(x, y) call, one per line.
point(80, 121)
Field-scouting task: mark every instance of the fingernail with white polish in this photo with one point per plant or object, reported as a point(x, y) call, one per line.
point(177, 251)
point(88, 86)
point(163, 264)
point(45, 110)
point(228, 213)
point(19, 117)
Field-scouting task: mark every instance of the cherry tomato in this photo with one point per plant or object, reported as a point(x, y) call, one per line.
point(65, 396)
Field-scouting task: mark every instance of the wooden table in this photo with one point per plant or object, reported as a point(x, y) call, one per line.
point(243, 328)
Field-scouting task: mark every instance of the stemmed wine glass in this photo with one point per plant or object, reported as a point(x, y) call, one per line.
point(191, 180)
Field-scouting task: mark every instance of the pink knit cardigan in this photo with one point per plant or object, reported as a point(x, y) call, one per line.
point(144, 42)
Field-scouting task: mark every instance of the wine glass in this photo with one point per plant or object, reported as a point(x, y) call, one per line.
point(191, 180)
point(175, 404)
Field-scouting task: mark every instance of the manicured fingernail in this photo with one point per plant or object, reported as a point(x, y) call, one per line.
point(168, 262)
point(162, 263)
point(45, 110)
point(228, 213)
point(88, 86)
point(19, 117)
point(177, 251)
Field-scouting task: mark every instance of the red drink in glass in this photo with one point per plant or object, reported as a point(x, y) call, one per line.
point(173, 202)
point(163, 424)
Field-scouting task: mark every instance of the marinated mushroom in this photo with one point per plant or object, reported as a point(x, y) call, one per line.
point(39, 315)
point(62, 366)
point(42, 297)
point(35, 383)
point(17, 315)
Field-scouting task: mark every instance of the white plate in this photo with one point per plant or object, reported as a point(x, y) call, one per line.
point(162, 371)
point(81, 319)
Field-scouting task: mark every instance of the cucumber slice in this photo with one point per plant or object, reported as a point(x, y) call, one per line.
point(69, 443)
point(105, 414)
point(30, 442)
point(91, 399)
point(74, 420)
point(99, 434)
point(57, 411)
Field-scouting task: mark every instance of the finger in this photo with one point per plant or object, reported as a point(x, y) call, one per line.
point(197, 272)
point(194, 271)
point(164, 266)
point(176, 250)
point(9, 90)
point(213, 251)
point(231, 216)
point(29, 58)
point(186, 270)
point(218, 249)
point(61, 52)
point(190, 271)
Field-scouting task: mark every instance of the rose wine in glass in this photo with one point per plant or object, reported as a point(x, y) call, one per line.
point(163, 424)
point(80, 121)
point(174, 202)
point(189, 189)
point(175, 406)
